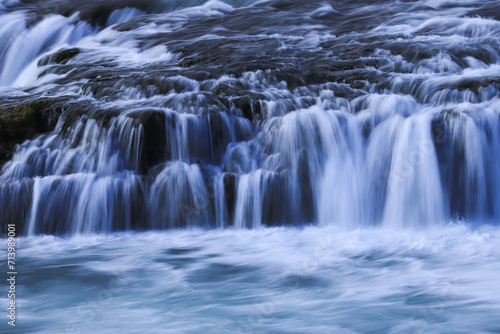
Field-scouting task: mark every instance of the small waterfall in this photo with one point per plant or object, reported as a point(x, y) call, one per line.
point(248, 211)
point(21, 45)
point(166, 124)
point(179, 198)
point(414, 194)
point(123, 15)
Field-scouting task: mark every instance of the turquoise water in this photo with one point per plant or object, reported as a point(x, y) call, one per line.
point(278, 280)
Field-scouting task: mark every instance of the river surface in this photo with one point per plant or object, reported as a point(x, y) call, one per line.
point(276, 280)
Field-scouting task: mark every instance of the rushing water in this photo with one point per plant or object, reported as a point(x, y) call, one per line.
point(380, 114)
point(370, 124)
point(277, 280)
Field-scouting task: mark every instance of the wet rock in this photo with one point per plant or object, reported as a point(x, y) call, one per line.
point(23, 121)
point(249, 107)
point(489, 10)
point(280, 205)
point(451, 153)
point(130, 207)
point(153, 143)
point(307, 207)
point(213, 53)
point(366, 129)
point(277, 208)
point(230, 191)
point(241, 98)
point(16, 198)
point(95, 12)
point(60, 57)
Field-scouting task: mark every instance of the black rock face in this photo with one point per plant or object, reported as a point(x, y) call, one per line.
point(153, 143)
point(230, 194)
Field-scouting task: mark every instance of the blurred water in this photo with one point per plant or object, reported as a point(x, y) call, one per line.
point(331, 114)
point(277, 280)
point(368, 130)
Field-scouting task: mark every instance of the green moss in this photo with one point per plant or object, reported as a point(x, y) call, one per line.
point(60, 57)
point(22, 122)
point(63, 56)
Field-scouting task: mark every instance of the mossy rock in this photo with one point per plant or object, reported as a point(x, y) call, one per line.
point(60, 57)
point(22, 122)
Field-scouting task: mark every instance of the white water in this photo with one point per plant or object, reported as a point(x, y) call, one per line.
point(279, 280)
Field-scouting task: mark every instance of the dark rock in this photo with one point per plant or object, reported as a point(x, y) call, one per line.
point(16, 198)
point(63, 56)
point(56, 210)
point(230, 191)
point(250, 108)
point(24, 121)
point(214, 52)
point(460, 186)
point(95, 12)
point(60, 57)
point(154, 137)
point(130, 209)
point(277, 208)
point(489, 10)
point(307, 211)
point(366, 128)
point(280, 205)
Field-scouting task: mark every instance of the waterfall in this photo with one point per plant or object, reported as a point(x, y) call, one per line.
point(21, 45)
point(167, 125)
